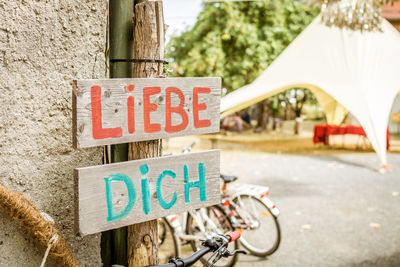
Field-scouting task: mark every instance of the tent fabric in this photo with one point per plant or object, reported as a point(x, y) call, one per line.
point(334, 111)
point(346, 70)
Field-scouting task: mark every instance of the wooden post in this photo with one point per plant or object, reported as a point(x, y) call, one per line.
point(114, 243)
point(148, 44)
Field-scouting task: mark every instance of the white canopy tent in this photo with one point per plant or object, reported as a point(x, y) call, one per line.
point(345, 69)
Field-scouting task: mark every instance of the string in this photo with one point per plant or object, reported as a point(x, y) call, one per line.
point(136, 60)
point(52, 240)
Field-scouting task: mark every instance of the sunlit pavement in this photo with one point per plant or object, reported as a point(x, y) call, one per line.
point(335, 209)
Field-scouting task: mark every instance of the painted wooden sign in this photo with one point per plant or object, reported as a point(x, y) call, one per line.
point(113, 111)
point(120, 194)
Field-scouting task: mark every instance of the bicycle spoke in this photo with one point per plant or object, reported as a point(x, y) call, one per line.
point(215, 222)
point(261, 233)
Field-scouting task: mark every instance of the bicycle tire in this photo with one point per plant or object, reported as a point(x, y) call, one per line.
point(166, 239)
point(265, 247)
point(227, 226)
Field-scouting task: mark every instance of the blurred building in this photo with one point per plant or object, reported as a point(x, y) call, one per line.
point(391, 12)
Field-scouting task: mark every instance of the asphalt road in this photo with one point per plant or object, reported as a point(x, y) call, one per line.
point(335, 209)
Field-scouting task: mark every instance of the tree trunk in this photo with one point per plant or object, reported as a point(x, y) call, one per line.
point(260, 108)
point(297, 125)
point(148, 44)
point(262, 115)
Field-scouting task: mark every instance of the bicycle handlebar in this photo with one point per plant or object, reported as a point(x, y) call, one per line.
point(234, 235)
point(209, 245)
point(192, 259)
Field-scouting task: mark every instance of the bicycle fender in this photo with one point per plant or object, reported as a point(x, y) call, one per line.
point(256, 191)
point(271, 205)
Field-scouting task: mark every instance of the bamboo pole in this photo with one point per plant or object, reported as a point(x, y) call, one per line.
point(114, 243)
point(148, 44)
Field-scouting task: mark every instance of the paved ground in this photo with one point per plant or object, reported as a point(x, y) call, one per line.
point(335, 210)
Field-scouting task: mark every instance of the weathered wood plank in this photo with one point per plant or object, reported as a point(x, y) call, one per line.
point(113, 111)
point(115, 195)
point(149, 37)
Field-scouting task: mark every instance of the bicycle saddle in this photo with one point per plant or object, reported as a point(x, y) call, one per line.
point(228, 179)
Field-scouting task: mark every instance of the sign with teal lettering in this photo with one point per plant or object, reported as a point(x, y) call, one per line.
point(120, 194)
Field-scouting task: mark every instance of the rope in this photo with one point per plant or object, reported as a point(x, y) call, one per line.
point(23, 211)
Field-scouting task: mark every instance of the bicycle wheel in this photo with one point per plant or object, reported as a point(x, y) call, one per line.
point(215, 221)
point(261, 233)
point(168, 243)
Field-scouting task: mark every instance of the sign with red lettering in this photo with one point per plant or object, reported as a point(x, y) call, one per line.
point(113, 111)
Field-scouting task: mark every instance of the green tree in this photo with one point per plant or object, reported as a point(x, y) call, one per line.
point(295, 99)
point(237, 40)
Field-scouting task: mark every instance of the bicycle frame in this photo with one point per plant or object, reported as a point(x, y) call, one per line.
point(199, 217)
point(232, 210)
point(247, 222)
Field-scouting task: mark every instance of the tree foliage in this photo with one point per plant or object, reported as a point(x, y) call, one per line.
point(237, 40)
point(295, 98)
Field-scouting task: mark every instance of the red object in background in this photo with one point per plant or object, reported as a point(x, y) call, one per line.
point(322, 132)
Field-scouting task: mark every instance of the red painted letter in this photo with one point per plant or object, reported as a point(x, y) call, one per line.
point(97, 125)
point(131, 109)
point(131, 114)
point(197, 107)
point(150, 107)
point(169, 128)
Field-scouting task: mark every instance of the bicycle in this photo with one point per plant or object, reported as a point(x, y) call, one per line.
point(191, 227)
point(254, 214)
point(196, 225)
point(218, 245)
point(238, 210)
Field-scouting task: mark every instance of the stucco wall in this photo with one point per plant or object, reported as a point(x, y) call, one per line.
point(44, 45)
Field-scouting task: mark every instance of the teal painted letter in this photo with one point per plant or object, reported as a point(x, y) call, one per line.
point(201, 183)
point(146, 196)
point(144, 169)
point(164, 204)
point(117, 177)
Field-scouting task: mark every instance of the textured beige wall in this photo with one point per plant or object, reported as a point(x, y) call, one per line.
point(44, 45)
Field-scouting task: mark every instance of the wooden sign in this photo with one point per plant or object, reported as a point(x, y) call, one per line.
point(113, 111)
point(120, 194)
